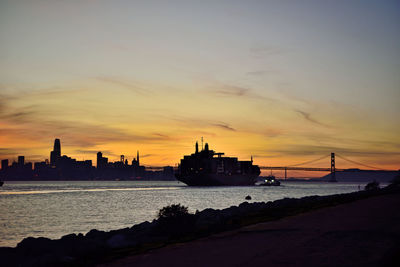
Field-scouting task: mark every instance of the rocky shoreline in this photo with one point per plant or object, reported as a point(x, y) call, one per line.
point(99, 246)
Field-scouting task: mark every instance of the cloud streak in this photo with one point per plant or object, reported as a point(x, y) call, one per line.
point(224, 126)
point(266, 50)
point(131, 86)
point(225, 90)
point(195, 122)
point(307, 117)
point(232, 91)
point(318, 151)
point(7, 151)
point(260, 72)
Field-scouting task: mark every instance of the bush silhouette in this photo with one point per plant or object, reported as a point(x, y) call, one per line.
point(173, 211)
point(396, 180)
point(372, 186)
point(175, 220)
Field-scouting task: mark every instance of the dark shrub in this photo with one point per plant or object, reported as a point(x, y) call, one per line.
point(372, 186)
point(173, 211)
point(396, 180)
point(175, 220)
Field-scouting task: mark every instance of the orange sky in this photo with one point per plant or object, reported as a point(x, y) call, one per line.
point(282, 83)
point(165, 125)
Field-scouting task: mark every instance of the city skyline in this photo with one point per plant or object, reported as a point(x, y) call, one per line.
point(62, 167)
point(284, 82)
point(56, 154)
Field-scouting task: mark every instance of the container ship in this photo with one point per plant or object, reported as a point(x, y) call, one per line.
point(208, 168)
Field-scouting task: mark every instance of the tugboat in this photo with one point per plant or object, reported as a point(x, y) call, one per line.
point(270, 180)
point(208, 168)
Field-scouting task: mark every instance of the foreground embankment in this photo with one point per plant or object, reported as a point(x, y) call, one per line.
point(369, 222)
point(361, 233)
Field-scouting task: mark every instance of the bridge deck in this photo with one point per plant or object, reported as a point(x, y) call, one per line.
point(298, 169)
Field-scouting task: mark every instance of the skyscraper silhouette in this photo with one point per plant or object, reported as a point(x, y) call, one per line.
point(56, 153)
point(21, 161)
point(99, 159)
point(4, 164)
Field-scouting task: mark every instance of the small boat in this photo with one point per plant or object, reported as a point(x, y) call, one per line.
point(270, 181)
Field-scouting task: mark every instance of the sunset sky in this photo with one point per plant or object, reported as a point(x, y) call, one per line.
point(282, 81)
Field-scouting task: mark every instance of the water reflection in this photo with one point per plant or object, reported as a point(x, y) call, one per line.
point(86, 190)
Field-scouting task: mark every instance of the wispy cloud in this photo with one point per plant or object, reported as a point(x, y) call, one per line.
point(196, 122)
point(94, 151)
point(261, 72)
point(13, 92)
point(162, 136)
point(226, 90)
point(307, 116)
point(35, 122)
point(266, 50)
point(145, 155)
point(129, 85)
point(319, 151)
point(22, 105)
point(20, 115)
point(224, 126)
point(232, 91)
point(271, 132)
point(78, 134)
point(12, 153)
point(7, 151)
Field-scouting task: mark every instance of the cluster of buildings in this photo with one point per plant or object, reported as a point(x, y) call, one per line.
point(62, 167)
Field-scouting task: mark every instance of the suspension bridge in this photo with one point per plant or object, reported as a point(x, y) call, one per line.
point(332, 169)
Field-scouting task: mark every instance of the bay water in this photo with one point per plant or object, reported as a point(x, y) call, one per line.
point(54, 209)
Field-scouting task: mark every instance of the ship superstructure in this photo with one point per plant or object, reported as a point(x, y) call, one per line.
point(208, 168)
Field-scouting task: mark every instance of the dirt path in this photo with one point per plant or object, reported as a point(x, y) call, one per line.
point(362, 233)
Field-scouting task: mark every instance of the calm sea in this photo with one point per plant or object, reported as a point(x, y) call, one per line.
point(54, 209)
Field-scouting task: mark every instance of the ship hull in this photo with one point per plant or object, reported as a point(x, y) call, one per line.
point(218, 179)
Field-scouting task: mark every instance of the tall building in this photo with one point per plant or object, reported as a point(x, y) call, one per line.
point(57, 147)
point(135, 161)
point(4, 164)
point(56, 153)
point(101, 161)
point(21, 161)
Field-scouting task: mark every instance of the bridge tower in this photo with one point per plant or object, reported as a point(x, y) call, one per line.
point(333, 169)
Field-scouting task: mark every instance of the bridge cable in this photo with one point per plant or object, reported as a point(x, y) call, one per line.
point(307, 162)
point(359, 163)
